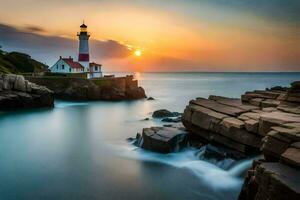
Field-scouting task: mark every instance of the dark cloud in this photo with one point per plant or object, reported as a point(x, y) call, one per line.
point(109, 49)
point(276, 10)
point(49, 48)
point(31, 28)
point(285, 11)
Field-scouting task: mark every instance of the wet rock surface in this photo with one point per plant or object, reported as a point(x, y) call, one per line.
point(271, 180)
point(172, 120)
point(277, 176)
point(18, 93)
point(162, 139)
point(164, 113)
point(225, 121)
point(266, 121)
point(261, 122)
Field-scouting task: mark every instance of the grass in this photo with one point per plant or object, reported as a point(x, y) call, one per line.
point(15, 62)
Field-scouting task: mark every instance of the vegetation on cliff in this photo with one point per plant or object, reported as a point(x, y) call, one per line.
point(16, 63)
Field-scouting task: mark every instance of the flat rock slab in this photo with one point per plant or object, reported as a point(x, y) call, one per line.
point(232, 102)
point(270, 103)
point(218, 107)
point(273, 181)
point(289, 107)
point(251, 125)
point(291, 156)
point(292, 134)
point(268, 120)
point(163, 139)
point(206, 118)
point(234, 129)
point(263, 94)
point(283, 180)
point(233, 122)
point(256, 101)
point(251, 115)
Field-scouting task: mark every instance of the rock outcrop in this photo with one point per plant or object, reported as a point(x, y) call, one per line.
point(162, 139)
point(18, 93)
point(271, 180)
point(277, 176)
point(262, 121)
point(162, 113)
point(266, 121)
point(225, 121)
point(108, 88)
point(241, 124)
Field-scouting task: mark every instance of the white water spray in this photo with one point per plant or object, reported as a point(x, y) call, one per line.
point(207, 172)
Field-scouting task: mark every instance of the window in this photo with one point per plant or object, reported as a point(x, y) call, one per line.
point(63, 66)
point(56, 66)
point(69, 69)
point(96, 68)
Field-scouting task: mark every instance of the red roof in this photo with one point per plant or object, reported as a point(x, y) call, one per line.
point(94, 64)
point(71, 63)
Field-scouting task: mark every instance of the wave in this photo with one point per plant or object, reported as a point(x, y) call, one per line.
point(209, 173)
point(64, 104)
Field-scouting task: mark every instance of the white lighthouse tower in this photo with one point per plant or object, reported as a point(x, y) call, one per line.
point(84, 55)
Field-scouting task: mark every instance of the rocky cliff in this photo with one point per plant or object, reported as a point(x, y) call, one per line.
point(112, 88)
point(266, 121)
point(261, 122)
point(18, 93)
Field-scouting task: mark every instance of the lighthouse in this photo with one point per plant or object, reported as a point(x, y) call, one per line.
point(84, 55)
point(83, 66)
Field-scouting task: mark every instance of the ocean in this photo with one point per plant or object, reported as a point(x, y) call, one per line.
point(78, 150)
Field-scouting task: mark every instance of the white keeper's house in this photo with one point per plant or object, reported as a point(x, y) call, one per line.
point(83, 65)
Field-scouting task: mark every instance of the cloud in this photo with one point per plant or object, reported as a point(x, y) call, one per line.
point(31, 28)
point(49, 48)
point(276, 10)
point(109, 49)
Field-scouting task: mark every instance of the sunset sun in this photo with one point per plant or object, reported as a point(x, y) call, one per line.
point(138, 53)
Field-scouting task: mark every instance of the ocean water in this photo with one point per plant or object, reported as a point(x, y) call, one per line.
point(78, 150)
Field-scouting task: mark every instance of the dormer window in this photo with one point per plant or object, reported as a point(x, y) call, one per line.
point(96, 68)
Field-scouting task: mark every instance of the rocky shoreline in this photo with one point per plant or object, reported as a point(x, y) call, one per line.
point(18, 93)
point(107, 88)
point(261, 122)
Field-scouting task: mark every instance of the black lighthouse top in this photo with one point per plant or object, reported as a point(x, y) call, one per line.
point(83, 28)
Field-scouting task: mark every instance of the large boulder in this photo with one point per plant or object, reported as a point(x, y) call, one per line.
point(18, 93)
point(225, 121)
point(268, 120)
point(162, 139)
point(271, 181)
point(135, 93)
point(162, 113)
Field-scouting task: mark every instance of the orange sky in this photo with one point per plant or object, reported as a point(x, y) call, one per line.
point(173, 36)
